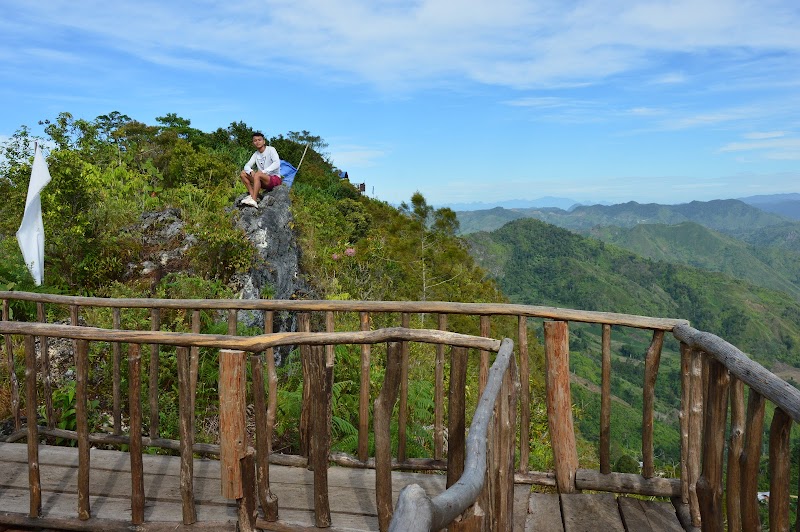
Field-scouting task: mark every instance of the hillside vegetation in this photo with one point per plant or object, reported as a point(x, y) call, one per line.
point(698, 246)
point(537, 263)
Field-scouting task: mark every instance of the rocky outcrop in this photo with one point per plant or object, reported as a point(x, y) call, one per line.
point(164, 245)
point(277, 272)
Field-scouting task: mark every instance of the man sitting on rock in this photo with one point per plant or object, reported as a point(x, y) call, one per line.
point(265, 175)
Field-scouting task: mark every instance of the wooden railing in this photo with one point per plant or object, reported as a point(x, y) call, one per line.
point(695, 493)
point(726, 369)
point(237, 460)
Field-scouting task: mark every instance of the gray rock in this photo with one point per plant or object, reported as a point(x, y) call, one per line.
point(277, 274)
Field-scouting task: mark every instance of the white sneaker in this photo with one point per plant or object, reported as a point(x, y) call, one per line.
point(249, 201)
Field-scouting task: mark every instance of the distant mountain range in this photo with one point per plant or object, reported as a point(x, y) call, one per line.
point(735, 218)
point(718, 214)
point(546, 201)
point(784, 204)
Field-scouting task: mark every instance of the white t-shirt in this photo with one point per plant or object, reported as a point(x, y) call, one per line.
point(266, 161)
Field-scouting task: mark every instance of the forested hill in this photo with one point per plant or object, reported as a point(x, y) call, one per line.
point(695, 245)
point(538, 263)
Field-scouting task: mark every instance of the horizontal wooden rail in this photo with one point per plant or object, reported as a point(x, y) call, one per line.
point(760, 379)
point(250, 343)
point(436, 307)
point(417, 511)
point(591, 479)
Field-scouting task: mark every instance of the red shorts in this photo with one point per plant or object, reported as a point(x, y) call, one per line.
point(274, 181)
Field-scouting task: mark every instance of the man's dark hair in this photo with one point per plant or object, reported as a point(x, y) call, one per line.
point(259, 134)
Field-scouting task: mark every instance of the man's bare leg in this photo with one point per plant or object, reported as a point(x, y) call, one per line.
point(256, 184)
point(246, 179)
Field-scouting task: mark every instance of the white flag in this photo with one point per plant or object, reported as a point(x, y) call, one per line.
point(31, 231)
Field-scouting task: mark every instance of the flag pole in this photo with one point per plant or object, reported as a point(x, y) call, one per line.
point(303, 157)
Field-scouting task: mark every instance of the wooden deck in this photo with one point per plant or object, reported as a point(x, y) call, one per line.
point(599, 513)
point(352, 496)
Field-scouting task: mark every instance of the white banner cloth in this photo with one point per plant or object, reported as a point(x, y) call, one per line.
point(31, 231)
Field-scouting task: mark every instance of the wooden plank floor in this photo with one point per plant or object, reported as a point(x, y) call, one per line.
point(599, 512)
point(351, 491)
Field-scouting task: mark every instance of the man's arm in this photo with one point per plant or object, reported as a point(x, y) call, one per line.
point(248, 167)
point(274, 167)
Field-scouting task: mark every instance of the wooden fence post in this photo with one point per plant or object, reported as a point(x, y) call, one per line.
point(155, 325)
point(695, 435)
point(116, 354)
point(46, 378)
point(186, 430)
point(750, 460)
point(559, 405)
point(734, 478)
point(321, 381)
point(384, 404)
point(652, 360)
point(483, 373)
point(12, 373)
point(402, 413)
point(269, 502)
point(306, 414)
point(525, 393)
point(438, 408)
point(364, 394)
point(456, 415)
point(605, 402)
point(82, 421)
point(709, 485)
point(34, 483)
point(135, 413)
point(232, 436)
point(779, 470)
point(497, 496)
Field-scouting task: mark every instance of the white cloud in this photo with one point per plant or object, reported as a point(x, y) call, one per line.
point(765, 135)
point(768, 143)
point(548, 102)
point(774, 146)
point(647, 111)
point(349, 156)
point(670, 78)
point(393, 44)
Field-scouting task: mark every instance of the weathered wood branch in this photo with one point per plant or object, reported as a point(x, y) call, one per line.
point(433, 307)
point(756, 376)
point(591, 479)
point(252, 343)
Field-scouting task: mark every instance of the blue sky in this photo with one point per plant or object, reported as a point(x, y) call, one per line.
point(612, 100)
